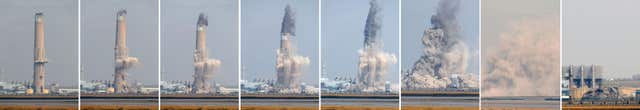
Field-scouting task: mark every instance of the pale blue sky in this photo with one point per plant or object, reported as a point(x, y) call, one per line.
point(61, 40)
point(179, 33)
point(416, 16)
point(98, 39)
point(604, 33)
point(343, 24)
point(261, 23)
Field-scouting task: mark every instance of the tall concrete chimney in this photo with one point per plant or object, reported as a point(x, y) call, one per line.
point(288, 63)
point(571, 72)
point(593, 75)
point(283, 69)
point(123, 61)
point(200, 58)
point(582, 85)
point(287, 30)
point(38, 56)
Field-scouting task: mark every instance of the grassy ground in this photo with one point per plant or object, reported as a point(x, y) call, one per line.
point(600, 107)
point(357, 108)
point(176, 107)
point(506, 108)
point(437, 108)
point(30, 107)
point(278, 108)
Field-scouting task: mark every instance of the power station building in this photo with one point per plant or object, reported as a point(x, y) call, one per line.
point(579, 79)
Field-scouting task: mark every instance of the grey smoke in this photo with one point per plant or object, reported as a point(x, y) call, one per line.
point(288, 64)
point(373, 62)
point(203, 66)
point(288, 22)
point(202, 20)
point(445, 55)
point(372, 25)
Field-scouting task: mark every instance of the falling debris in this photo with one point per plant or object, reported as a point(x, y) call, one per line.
point(445, 58)
point(204, 67)
point(123, 60)
point(373, 60)
point(289, 64)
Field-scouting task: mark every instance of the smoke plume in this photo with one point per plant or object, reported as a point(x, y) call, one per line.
point(288, 64)
point(445, 54)
point(204, 67)
point(374, 61)
point(123, 61)
point(204, 71)
point(525, 62)
point(372, 25)
point(288, 22)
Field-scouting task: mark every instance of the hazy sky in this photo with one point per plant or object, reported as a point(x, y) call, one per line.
point(497, 14)
point(343, 24)
point(416, 16)
point(604, 33)
point(98, 27)
point(61, 44)
point(179, 19)
point(520, 48)
point(261, 23)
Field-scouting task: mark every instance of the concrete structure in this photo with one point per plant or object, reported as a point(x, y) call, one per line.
point(39, 59)
point(123, 61)
point(204, 66)
point(262, 86)
point(636, 77)
point(637, 95)
point(580, 79)
point(373, 62)
point(288, 63)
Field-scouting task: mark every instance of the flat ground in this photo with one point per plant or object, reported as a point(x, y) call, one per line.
point(31, 107)
point(278, 108)
point(358, 108)
point(118, 107)
point(636, 107)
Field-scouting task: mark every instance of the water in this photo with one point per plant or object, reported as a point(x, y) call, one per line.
point(520, 102)
point(136, 102)
point(440, 101)
point(39, 102)
point(200, 102)
point(280, 102)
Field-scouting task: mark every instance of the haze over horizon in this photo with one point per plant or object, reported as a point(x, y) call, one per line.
point(605, 35)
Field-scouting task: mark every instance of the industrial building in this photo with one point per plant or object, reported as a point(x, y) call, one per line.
point(347, 84)
point(184, 87)
point(580, 79)
point(23, 87)
point(263, 86)
point(106, 86)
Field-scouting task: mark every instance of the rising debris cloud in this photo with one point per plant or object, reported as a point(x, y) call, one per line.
point(373, 62)
point(288, 64)
point(204, 67)
point(526, 60)
point(445, 59)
